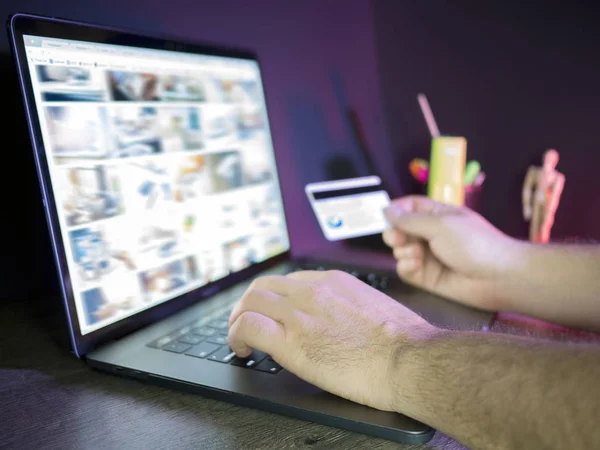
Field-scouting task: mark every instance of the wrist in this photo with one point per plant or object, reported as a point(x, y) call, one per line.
point(509, 261)
point(410, 365)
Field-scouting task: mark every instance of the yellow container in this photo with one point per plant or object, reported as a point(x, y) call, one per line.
point(447, 169)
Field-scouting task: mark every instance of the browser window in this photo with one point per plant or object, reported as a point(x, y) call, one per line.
point(162, 168)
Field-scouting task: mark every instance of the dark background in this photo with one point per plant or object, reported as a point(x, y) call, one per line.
point(514, 78)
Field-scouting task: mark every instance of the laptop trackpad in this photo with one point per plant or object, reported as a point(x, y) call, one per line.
point(440, 311)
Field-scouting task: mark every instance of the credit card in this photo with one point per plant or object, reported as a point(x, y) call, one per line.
point(349, 208)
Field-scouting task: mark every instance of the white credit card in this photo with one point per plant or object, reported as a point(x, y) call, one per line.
point(349, 208)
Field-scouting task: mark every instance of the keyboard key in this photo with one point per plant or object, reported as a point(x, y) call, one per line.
point(202, 350)
point(225, 316)
point(219, 324)
point(269, 366)
point(251, 361)
point(223, 355)
point(182, 331)
point(220, 339)
point(204, 331)
point(363, 277)
point(199, 323)
point(160, 342)
point(192, 339)
point(176, 347)
point(383, 283)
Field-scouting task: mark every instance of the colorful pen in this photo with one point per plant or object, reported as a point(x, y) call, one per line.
point(471, 171)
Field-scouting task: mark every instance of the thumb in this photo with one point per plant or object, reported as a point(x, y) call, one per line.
point(425, 225)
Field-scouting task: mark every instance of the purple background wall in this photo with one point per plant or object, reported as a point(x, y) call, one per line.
point(311, 68)
point(515, 78)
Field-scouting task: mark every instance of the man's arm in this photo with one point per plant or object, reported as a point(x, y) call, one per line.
point(492, 391)
point(487, 390)
point(553, 282)
point(459, 255)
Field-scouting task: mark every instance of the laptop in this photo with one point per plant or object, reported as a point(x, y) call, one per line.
point(162, 197)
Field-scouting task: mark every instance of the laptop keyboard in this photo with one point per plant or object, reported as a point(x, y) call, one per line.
point(206, 338)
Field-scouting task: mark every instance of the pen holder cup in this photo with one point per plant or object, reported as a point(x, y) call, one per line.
point(473, 196)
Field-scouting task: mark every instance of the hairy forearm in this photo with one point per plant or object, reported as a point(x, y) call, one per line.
point(492, 391)
point(557, 283)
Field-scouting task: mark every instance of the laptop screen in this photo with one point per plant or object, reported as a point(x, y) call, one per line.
point(162, 169)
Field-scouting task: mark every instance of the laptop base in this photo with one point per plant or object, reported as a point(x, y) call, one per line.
point(282, 393)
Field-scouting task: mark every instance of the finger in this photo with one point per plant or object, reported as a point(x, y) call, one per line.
point(263, 302)
point(278, 284)
point(312, 275)
point(252, 330)
point(408, 266)
point(394, 237)
point(418, 224)
point(410, 251)
point(417, 204)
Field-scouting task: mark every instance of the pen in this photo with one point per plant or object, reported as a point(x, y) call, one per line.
point(471, 171)
point(479, 179)
point(419, 169)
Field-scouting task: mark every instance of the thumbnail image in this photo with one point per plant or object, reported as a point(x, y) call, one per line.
point(266, 211)
point(148, 87)
point(267, 245)
point(77, 131)
point(226, 170)
point(116, 297)
point(212, 260)
point(136, 130)
point(233, 215)
point(250, 123)
point(191, 268)
point(239, 254)
point(157, 239)
point(258, 165)
point(158, 283)
point(189, 225)
point(146, 185)
point(224, 90)
point(177, 88)
point(70, 84)
point(274, 244)
point(197, 227)
point(180, 129)
point(101, 252)
point(231, 218)
point(192, 179)
point(214, 219)
point(220, 130)
point(132, 86)
point(90, 193)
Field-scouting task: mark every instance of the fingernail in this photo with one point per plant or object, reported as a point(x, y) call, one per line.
point(391, 212)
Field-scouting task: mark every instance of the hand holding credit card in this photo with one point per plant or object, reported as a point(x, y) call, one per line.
point(349, 208)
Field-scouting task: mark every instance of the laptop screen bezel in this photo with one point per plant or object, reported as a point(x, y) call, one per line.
point(20, 25)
